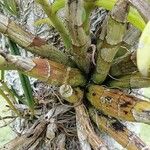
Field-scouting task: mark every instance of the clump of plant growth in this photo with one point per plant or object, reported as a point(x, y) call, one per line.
point(90, 71)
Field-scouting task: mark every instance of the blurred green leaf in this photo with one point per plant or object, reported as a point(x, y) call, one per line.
point(43, 21)
point(11, 6)
point(6, 88)
point(57, 5)
point(143, 52)
point(9, 102)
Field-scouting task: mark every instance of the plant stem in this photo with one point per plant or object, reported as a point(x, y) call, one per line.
point(80, 40)
point(115, 103)
point(133, 16)
point(118, 131)
point(45, 70)
point(115, 23)
point(133, 80)
point(32, 43)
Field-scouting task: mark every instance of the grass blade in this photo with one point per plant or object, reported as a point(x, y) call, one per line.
point(24, 80)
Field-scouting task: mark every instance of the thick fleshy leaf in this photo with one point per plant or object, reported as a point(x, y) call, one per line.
point(143, 52)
